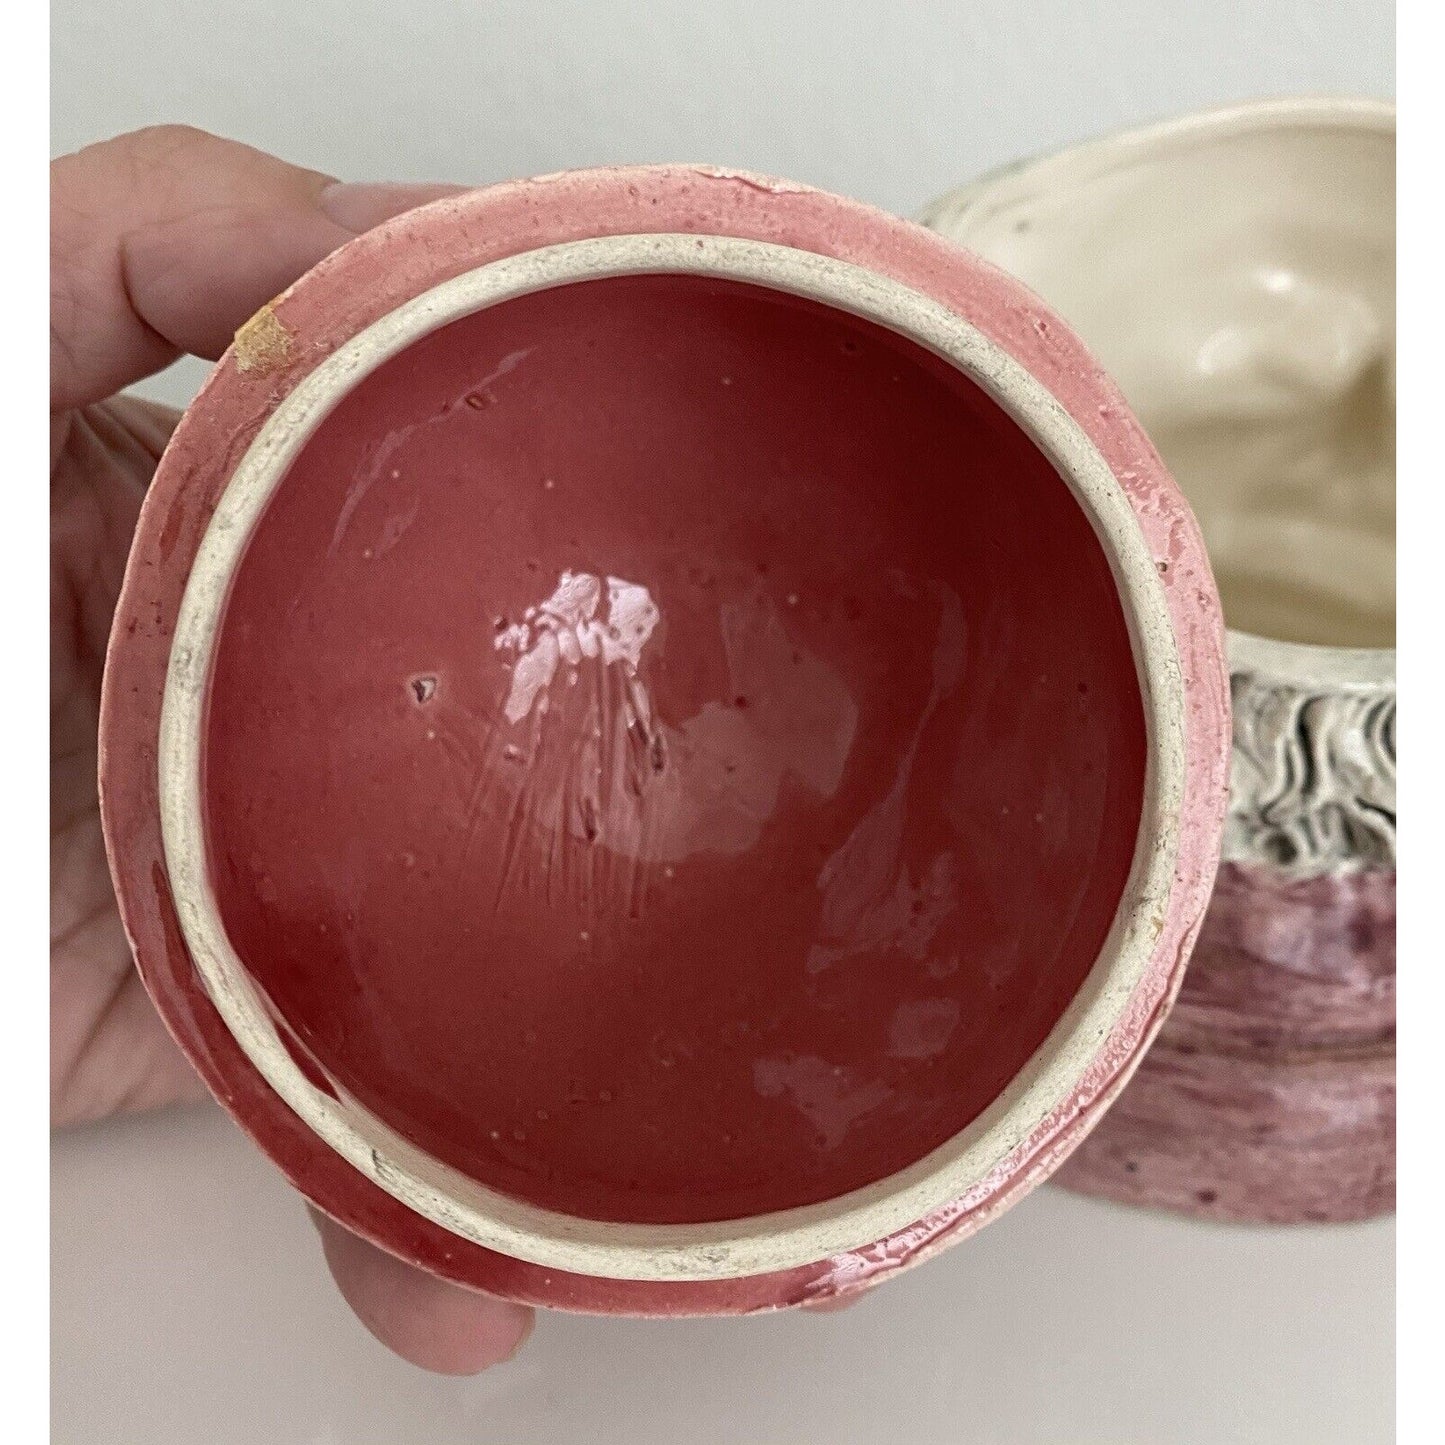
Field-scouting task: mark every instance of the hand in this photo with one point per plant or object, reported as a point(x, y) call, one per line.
point(163, 243)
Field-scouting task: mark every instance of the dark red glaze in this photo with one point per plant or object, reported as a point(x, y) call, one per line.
point(752, 869)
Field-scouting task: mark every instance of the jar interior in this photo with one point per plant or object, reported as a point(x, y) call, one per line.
point(1240, 287)
point(673, 750)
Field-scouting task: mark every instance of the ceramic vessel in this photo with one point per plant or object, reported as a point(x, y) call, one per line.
point(664, 743)
point(1235, 273)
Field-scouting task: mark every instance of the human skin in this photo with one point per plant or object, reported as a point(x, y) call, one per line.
point(163, 243)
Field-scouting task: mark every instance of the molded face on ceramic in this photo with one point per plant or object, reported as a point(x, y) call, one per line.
point(674, 749)
point(633, 724)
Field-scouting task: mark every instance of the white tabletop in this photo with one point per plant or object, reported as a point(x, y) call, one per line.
point(191, 1304)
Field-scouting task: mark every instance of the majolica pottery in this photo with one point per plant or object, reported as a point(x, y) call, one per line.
point(1235, 273)
point(665, 740)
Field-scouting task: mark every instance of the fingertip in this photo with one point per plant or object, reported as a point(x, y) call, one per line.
point(166, 240)
point(430, 1322)
point(358, 206)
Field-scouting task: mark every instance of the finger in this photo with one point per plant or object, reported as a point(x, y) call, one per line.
point(165, 241)
point(432, 1323)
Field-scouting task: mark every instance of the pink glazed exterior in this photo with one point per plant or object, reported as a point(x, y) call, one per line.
point(372, 276)
point(1270, 1095)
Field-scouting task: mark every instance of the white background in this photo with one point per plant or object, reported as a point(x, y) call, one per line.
point(191, 1304)
point(891, 101)
point(190, 1300)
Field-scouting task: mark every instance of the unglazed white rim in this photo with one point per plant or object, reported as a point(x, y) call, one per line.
point(762, 1243)
point(1304, 665)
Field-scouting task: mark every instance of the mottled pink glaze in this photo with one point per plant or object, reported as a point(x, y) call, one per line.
point(1292, 963)
point(1270, 1092)
point(370, 277)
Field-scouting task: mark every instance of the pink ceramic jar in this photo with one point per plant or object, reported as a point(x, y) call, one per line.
point(664, 744)
point(1235, 272)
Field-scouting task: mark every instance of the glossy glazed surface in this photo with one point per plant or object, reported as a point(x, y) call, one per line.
point(1238, 280)
point(645, 725)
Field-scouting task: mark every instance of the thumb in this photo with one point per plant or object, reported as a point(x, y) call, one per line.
point(436, 1325)
point(165, 241)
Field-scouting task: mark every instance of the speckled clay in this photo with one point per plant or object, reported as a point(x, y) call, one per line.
point(1235, 271)
point(533, 591)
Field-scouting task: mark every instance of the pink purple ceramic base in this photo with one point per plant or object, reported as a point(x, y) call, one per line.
point(371, 277)
point(1270, 1092)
